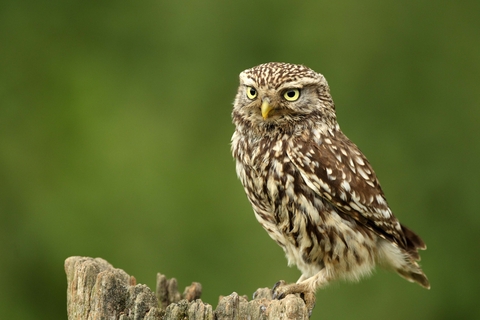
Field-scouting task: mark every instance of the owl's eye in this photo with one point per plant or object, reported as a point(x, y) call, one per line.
point(291, 94)
point(251, 93)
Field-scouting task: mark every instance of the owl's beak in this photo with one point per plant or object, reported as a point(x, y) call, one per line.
point(266, 108)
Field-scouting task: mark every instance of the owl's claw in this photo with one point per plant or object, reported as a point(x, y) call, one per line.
point(281, 289)
point(277, 294)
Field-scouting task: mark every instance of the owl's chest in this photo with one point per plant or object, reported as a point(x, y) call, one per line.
point(266, 159)
point(270, 175)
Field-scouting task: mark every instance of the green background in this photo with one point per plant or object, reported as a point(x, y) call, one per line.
point(115, 129)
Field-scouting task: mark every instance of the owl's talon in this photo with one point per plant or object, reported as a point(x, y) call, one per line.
point(275, 294)
point(281, 289)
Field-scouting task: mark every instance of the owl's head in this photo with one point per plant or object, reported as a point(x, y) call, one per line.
point(281, 94)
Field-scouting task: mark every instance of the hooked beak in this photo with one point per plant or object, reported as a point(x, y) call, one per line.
point(266, 108)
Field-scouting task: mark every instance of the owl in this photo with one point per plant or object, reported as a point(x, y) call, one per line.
point(310, 187)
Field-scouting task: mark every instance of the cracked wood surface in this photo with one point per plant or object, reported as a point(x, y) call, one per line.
point(97, 290)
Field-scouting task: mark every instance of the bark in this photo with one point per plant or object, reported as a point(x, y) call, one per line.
point(97, 290)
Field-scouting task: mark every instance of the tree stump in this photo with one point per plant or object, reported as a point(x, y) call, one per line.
point(97, 290)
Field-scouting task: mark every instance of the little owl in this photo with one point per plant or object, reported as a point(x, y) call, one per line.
point(311, 188)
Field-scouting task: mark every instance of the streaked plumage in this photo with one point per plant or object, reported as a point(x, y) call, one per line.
point(311, 188)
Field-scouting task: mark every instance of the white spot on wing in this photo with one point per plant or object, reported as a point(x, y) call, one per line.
point(362, 173)
point(380, 199)
point(387, 213)
point(339, 158)
point(324, 186)
point(345, 185)
point(351, 164)
point(329, 174)
point(354, 206)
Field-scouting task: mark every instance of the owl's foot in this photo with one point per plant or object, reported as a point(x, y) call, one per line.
point(281, 289)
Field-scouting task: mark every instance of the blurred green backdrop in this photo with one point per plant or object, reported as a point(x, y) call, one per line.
point(115, 130)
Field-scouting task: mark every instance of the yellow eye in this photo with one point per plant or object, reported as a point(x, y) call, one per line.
point(291, 94)
point(251, 93)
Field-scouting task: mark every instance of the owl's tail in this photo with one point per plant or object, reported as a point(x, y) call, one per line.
point(404, 259)
point(415, 275)
point(410, 269)
point(414, 243)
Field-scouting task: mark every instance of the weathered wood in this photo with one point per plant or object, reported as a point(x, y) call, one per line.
point(97, 290)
